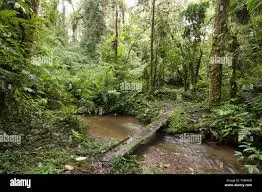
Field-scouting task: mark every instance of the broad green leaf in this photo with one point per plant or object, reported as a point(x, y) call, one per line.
point(252, 169)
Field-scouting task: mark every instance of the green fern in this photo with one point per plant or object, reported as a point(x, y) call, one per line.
point(252, 169)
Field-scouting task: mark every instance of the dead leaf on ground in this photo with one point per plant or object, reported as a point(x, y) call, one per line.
point(69, 167)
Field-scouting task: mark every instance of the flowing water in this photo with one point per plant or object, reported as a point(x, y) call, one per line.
point(112, 127)
point(166, 154)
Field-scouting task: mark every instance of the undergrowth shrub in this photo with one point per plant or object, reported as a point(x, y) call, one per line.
point(138, 105)
point(165, 93)
point(232, 123)
point(125, 165)
point(180, 123)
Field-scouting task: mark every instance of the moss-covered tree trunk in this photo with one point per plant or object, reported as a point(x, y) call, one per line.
point(152, 45)
point(220, 32)
point(234, 49)
point(116, 31)
point(197, 70)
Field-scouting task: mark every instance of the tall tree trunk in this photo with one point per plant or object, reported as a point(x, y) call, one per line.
point(64, 13)
point(192, 74)
point(123, 18)
point(74, 29)
point(220, 32)
point(74, 24)
point(28, 34)
point(39, 12)
point(162, 72)
point(64, 30)
point(197, 69)
point(116, 30)
point(35, 5)
point(152, 44)
point(186, 85)
point(155, 71)
point(234, 50)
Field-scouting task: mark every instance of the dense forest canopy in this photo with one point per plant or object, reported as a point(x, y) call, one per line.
point(60, 59)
